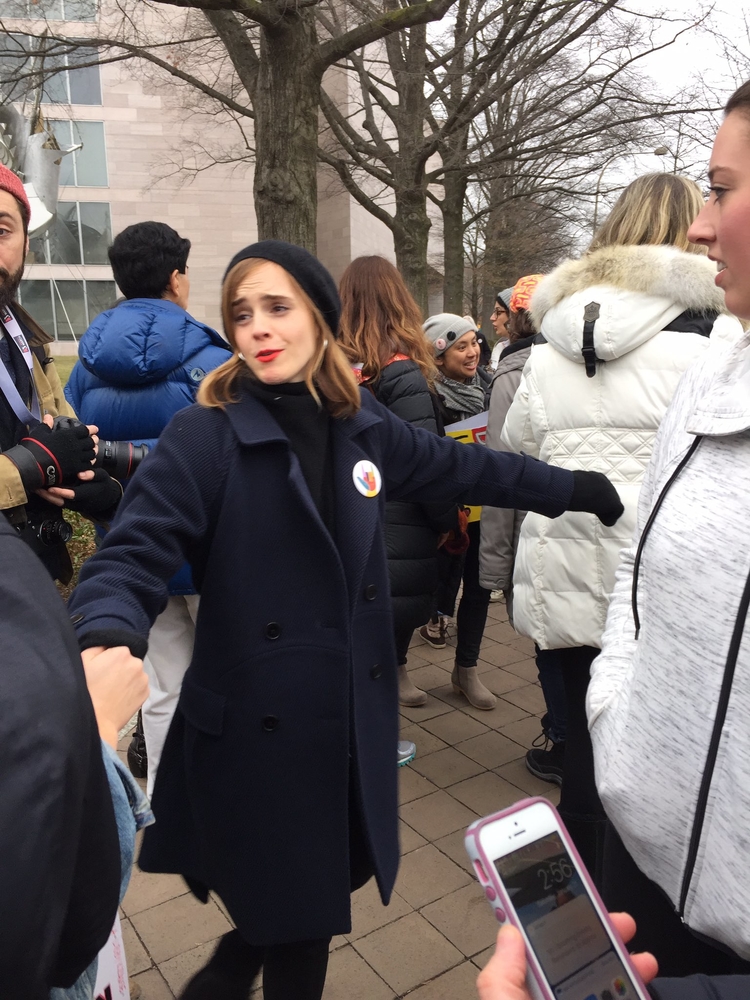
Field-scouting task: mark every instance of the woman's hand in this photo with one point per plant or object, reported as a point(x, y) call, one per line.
point(504, 976)
point(118, 686)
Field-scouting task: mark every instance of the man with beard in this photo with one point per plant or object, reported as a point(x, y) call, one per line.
point(45, 453)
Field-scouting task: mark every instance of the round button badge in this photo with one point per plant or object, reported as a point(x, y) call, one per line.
point(367, 479)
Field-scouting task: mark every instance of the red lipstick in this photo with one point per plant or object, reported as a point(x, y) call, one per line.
point(266, 356)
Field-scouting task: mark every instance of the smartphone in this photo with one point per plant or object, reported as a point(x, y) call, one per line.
point(533, 877)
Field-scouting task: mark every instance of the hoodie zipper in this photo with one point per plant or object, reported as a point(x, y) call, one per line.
point(713, 747)
point(652, 517)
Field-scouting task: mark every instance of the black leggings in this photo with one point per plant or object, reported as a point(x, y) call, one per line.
point(296, 970)
point(475, 600)
point(580, 806)
point(659, 928)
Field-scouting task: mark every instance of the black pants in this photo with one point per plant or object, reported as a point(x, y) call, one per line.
point(580, 806)
point(475, 600)
point(296, 970)
point(660, 930)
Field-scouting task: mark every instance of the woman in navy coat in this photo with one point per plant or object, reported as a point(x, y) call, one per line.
point(276, 787)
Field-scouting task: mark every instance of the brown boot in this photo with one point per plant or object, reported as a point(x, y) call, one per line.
point(466, 681)
point(409, 694)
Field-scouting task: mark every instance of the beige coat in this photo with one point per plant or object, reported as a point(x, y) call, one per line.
point(51, 401)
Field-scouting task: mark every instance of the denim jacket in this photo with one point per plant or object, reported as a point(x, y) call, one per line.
point(132, 813)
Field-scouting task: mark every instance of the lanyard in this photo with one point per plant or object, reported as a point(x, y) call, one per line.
point(7, 385)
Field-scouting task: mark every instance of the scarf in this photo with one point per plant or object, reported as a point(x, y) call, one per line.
point(466, 398)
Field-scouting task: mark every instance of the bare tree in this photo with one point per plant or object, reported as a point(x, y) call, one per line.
point(279, 60)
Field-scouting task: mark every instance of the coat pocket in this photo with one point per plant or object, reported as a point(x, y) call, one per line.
point(203, 708)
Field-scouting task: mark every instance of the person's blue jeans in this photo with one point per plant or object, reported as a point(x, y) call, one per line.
point(553, 688)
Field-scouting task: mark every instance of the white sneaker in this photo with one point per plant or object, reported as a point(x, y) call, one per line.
point(405, 752)
point(496, 595)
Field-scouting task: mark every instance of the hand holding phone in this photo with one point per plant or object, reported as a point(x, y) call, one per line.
point(534, 879)
point(504, 976)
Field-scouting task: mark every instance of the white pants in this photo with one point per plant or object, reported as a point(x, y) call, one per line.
point(170, 649)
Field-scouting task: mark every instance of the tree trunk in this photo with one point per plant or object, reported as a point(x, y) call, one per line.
point(286, 131)
point(454, 186)
point(410, 235)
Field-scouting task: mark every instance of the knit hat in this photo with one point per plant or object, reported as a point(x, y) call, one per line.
point(503, 298)
point(306, 270)
point(445, 329)
point(523, 290)
point(13, 184)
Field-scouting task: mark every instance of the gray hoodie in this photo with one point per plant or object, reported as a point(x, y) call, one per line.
point(669, 712)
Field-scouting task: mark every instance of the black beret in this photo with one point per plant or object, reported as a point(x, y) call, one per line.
point(306, 270)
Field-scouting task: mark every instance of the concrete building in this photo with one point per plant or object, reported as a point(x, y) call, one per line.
point(131, 125)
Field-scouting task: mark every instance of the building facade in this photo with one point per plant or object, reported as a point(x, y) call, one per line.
point(130, 127)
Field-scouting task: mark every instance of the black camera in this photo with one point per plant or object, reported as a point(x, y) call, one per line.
point(120, 458)
point(52, 530)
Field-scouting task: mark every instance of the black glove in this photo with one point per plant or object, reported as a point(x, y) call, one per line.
point(593, 492)
point(53, 456)
point(97, 497)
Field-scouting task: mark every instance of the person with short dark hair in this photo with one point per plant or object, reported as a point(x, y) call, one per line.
point(140, 363)
point(144, 259)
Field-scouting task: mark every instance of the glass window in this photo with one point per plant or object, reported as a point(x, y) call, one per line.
point(96, 231)
point(27, 61)
point(70, 308)
point(64, 235)
point(86, 167)
point(83, 81)
point(36, 298)
point(54, 10)
point(80, 234)
point(65, 308)
point(100, 295)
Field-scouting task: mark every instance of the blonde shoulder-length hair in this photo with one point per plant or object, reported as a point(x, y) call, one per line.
point(655, 210)
point(329, 370)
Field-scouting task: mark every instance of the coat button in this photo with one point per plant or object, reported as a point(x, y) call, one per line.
point(270, 723)
point(273, 630)
point(376, 671)
point(371, 592)
point(75, 619)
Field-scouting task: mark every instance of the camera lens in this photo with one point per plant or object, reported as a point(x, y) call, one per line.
point(52, 532)
point(120, 458)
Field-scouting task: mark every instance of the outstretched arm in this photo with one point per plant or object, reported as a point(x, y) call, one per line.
point(164, 513)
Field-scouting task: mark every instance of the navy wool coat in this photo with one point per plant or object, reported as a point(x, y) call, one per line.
point(293, 678)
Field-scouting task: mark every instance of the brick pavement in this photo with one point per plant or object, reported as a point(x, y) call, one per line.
point(438, 929)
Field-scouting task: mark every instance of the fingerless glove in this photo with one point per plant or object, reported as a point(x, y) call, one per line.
point(53, 456)
point(96, 498)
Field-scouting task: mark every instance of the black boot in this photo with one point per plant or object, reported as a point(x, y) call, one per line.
point(137, 758)
point(229, 974)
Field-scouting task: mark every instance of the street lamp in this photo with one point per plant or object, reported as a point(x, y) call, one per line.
point(659, 151)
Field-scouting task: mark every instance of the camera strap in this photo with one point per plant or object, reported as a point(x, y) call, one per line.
point(13, 331)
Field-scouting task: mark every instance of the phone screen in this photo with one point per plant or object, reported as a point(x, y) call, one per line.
point(565, 930)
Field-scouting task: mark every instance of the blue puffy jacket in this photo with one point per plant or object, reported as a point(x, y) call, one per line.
point(140, 363)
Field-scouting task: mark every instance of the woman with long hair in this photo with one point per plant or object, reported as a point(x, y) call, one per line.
point(276, 787)
point(382, 336)
point(621, 325)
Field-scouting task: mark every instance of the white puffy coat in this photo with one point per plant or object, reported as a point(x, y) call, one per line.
point(565, 568)
point(668, 712)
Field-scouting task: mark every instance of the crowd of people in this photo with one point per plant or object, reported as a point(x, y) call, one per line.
point(309, 444)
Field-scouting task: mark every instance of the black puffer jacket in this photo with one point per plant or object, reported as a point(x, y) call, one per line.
point(411, 530)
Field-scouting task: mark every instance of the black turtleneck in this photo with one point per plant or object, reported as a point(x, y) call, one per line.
point(308, 427)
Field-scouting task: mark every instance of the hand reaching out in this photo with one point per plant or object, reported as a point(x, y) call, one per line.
point(118, 686)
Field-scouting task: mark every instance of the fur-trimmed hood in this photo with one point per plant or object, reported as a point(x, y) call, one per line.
point(640, 291)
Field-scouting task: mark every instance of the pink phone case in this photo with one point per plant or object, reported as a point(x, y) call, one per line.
point(503, 908)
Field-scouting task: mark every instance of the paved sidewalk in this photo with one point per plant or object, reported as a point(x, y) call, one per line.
point(438, 929)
